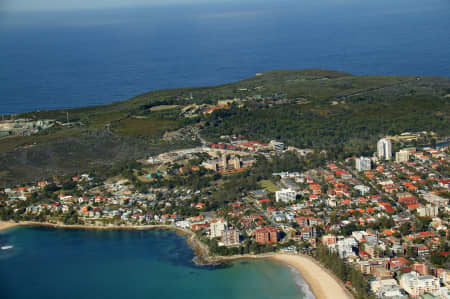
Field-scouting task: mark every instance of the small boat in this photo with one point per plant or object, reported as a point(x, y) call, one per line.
point(6, 247)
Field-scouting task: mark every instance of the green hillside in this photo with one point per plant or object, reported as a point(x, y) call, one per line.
point(336, 111)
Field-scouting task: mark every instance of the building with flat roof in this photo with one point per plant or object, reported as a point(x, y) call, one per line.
point(402, 156)
point(384, 149)
point(224, 163)
point(362, 189)
point(230, 237)
point(285, 195)
point(378, 284)
point(363, 164)
point(277, 146)
point(345, 247)
point(415, 284)
point(289, 183)
point(435, 199)
point(267, 235)
point(391, 292)
point(217, 226)
point(428, 211)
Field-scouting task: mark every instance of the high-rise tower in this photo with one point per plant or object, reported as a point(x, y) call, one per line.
point(384, 149)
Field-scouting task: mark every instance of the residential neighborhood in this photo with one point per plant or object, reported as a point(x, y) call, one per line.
point(385, 215)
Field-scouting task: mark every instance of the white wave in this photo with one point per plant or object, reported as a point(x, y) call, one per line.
point(302, 284)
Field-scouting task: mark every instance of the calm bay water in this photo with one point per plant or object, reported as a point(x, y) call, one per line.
point(52, 60)
point(55, 263)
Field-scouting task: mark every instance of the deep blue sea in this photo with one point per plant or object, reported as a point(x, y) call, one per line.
point(63, 59)
point(55, 263)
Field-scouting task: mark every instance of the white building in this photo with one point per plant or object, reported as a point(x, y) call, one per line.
point(384, 149)
point(415, 284)
point(378, 284)
point(277, 146)
point(435, 199)
point(362, 189)
point(183, 224)
point(345, 247)
point(363, 164)
point(230, 237)
point(402, 156)
point(444, 293)
point(285, 195)
point(391, 292)
point(217, 227)
point(428, 211)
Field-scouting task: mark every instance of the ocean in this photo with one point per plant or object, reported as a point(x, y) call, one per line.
point(52, 60)
point(57, 263)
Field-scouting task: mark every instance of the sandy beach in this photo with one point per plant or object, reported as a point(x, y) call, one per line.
point(4, 225)
point(322, 283)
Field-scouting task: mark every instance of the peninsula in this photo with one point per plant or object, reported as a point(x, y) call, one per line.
point(314, 168)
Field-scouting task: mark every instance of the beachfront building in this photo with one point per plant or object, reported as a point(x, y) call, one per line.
point(285, 195)
point(384, 149)
point(345, 247)
point(379, 284)
point(415, 284)
point(402, 156)
point(363, 164)
point(441, 274)
point(329, 240)
point(217, 226)
point(267, 235)
point(444, 293)
point(391, 292)
point(230, 237)
point(388, 289)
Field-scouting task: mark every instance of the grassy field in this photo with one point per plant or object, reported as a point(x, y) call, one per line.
point(315, 85)
point(369, 107)
point(163, 107)
point(9, 144)
point(98, 121)
point(144, 127)
point(269, 186)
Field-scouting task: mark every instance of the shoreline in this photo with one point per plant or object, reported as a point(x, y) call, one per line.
point(5, 225)
point(321, 282)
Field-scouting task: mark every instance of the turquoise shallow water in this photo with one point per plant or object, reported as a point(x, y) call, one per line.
point(56, 263)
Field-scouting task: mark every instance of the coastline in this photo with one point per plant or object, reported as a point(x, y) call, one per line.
point(322, 283)
point(4, 225)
